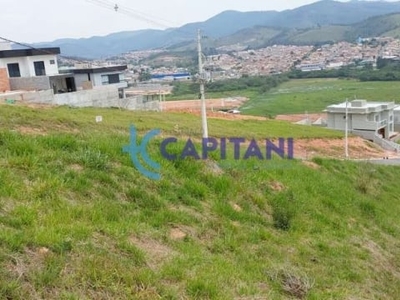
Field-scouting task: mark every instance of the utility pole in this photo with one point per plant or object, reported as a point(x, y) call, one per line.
point(202, 79)
point(346, 134)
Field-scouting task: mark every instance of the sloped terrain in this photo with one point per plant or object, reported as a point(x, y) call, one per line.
point(78, 221)
point(315, 15)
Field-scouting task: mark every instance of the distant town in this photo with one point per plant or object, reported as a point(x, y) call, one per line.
point(234, 62)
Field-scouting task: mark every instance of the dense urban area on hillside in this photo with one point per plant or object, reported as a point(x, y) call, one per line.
point(231, 63)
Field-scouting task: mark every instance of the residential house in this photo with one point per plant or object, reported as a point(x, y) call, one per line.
point(365, 118)
point(34, 77)
point(33, 69)
point(397, 118)
point(90, 76)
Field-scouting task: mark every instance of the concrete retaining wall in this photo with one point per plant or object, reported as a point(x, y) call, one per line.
point(40, 97)
point(106, 96)
point(368, 135)
point(139, 103)
point(99, 97)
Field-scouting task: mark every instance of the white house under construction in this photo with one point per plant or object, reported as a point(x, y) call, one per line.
point(370, 118)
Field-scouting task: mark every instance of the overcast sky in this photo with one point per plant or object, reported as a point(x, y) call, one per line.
point(47, 20)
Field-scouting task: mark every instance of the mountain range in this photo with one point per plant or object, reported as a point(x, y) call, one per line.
point(322, 21)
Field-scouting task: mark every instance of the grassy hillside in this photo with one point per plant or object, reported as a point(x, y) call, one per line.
point(252, 37)
point(313, 95)
point(329, 33)
point(395, 33)
point(77, 221)
point(375, 26)
point(259, 36)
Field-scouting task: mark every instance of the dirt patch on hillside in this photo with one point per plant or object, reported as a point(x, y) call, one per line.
point(211, 104)
point(31, 130)
point(276, 186)
point(381, 259)
point(33, 259)
point(28, 104)
point(229, 116)
point(156, 253)
point(311, 164)
point(335, 148)
point(214, 107)
point(177, 234)
point(299, 117)
point(27, 130)
point(221, 115)
point(236, 207)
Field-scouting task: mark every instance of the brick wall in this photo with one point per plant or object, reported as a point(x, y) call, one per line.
point(4, 81)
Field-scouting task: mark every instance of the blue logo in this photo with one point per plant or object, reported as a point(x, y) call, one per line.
point(135, 150)
point(262, 150)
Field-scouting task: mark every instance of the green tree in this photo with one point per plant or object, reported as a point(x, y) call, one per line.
point(144, 76)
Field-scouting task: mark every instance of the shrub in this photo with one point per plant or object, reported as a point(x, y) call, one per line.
point(283, 210)
point(293, 283)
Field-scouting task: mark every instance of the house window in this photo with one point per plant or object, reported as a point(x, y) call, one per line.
point(104, 79)
point(376, 118)
point(39, 68)
point(13, 70)
point(110, 79)
point(52, 62)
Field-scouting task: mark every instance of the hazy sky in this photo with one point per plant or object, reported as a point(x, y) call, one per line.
point(47, 20)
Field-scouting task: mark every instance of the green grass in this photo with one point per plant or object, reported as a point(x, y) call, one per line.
point(250, 93)
point(314, 95)
point(317, 35)
point(311, 95)
point(177, 124)
point(77, 221)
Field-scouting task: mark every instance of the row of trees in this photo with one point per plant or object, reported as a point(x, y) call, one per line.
point(386, 72)
point(260, 83)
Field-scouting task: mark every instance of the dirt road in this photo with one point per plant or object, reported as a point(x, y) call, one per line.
point(212, 104)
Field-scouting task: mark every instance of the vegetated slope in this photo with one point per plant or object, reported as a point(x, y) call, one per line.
point(324, 34)
point(225, 24)
point(329, 12)
point(375, 26)
point(251, 37)
point(314, 95)
point(386, 25)
point(261, 36)
point(77, 221)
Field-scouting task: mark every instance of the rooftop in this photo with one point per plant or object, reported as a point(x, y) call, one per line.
point(29, 52)
point(94, 70)
point(360, 105)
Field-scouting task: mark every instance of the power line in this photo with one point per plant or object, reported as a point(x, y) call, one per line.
point(39, 49)
point(131, 13)
point(25, 45)
point(155, 20)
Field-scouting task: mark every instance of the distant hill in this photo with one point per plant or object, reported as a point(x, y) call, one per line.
point(257, 37)
point(388, 25)
point(285, 26)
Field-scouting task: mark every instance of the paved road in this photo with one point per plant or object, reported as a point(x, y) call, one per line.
point(388, 162)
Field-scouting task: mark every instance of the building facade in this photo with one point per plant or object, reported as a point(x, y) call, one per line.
point(34, 69)
point(88, 77)
point(369, 117)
